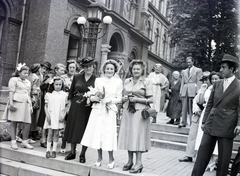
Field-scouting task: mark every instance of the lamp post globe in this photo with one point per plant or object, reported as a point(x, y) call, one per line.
point(107, 20)
point(81, 20)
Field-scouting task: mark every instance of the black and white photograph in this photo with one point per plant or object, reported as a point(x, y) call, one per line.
point(120, 87)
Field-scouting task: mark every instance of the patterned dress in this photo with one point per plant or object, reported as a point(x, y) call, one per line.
point(134, 134)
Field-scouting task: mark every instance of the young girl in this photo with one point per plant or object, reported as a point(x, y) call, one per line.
point(20, 105)
point(55, 109)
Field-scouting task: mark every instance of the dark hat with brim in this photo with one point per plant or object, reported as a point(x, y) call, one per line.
point(87, 61)
point(205, 75)
point(230, 58)
point(47, 65)
point(35, 67)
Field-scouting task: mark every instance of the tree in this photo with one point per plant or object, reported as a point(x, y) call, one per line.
point(205, 29)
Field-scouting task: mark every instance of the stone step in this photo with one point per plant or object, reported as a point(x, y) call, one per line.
point(31, 156)
point(174, 137)
point(37, 159)
point(168, 144)
point(170, 128)
point(236, 145)
point(10, 167)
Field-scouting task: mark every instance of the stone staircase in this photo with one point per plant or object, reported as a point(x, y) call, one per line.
point(169, 136)
point(25, 162)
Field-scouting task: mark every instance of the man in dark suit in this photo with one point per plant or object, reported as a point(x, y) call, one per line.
point(189, 88)
point(221, 121)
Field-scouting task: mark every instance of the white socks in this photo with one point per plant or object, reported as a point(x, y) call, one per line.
point(54, 146)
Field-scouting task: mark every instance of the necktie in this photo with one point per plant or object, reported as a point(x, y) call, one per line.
point(188, 72)
point(225, 84)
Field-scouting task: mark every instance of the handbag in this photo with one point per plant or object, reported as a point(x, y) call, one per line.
point(148, 112)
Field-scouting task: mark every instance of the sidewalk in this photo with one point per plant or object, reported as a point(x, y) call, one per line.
point(157, 161)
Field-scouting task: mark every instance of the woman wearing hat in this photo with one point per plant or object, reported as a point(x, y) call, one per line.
point(35, 97)
point(79, 110)
point(134, 134)
point(72, 67)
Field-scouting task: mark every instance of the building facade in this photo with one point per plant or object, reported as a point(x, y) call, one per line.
point(35, 31)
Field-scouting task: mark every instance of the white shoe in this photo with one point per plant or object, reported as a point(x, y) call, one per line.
point(18, 139)
point(62, 150)
point(98, 164)
point(111, 165)
point(30, 141)
point(14, 146)
point(26, 145)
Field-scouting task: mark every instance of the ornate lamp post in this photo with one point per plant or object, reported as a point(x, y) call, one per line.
point(94, 18)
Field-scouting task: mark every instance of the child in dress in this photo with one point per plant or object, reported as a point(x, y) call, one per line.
point(20, 106)
point(55, 109)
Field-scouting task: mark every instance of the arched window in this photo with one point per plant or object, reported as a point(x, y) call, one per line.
point(149, 29)
point(164, 44)
point(133, 56)
point(75, 43)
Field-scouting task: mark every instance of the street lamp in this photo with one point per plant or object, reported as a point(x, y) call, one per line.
point(94, 18)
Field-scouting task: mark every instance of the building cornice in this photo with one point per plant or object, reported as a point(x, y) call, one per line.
point(160, 16)
point(157, 59)
point(136, 33)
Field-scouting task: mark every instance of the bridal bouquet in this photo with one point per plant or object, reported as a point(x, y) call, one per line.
point(94, 92)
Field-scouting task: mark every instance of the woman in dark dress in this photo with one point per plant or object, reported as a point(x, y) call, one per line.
point(175, 105)
point(79, 111)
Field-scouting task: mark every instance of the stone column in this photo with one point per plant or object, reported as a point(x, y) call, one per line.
point(105, 50)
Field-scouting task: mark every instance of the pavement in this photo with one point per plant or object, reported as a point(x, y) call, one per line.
point(157, 161)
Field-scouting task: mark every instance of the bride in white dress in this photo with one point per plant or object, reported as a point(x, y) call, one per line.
point(101, 130)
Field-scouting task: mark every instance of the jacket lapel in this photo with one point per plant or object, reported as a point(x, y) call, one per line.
point(230, 88)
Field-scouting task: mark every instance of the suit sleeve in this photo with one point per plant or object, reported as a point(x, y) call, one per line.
point(238, 124)
point(209, 105)
point(199, 76)
point(182, 83)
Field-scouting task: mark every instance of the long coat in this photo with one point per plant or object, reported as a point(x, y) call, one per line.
point(222, 113)
point(190, 83)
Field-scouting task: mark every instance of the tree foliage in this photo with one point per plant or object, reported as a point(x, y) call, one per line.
point(205, 29)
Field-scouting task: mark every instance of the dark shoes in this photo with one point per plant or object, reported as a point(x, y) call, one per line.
point(170, 121)
point(53, 154)
point(136, 170)
point(181, 125)
point(154, 120)
point(186, 159)
point(70, 156)
point(48, 154)
point(82, 159)
point(43, 144)
point(127, 167)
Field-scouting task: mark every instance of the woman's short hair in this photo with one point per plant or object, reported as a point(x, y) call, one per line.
point(137, 62)
point(72, 62)
point(58, 66)
point(214, 73)
point(110, 61)
point(176, 72)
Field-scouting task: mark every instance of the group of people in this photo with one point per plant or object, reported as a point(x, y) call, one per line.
point(85, 107)
point(215, 117)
